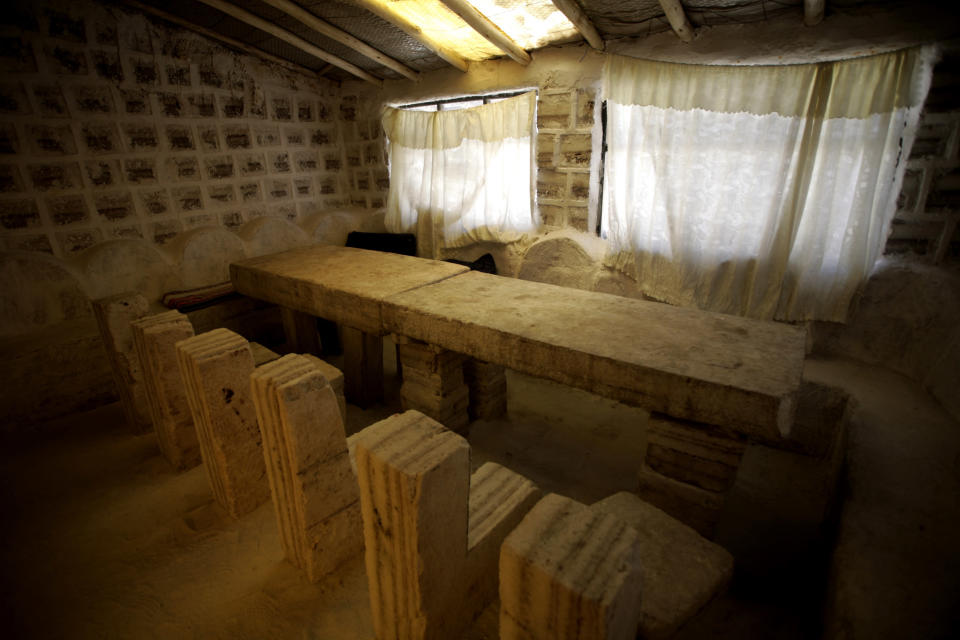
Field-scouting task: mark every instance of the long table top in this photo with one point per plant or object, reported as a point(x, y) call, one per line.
point(342, 284)
point(718, 369)
point(723, 370)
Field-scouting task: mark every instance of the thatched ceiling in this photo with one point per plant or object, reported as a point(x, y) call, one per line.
point(433, 35)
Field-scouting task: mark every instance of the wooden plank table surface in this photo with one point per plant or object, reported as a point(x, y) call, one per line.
point(717, 369)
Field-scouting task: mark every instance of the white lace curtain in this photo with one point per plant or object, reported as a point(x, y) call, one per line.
point(460, 177)
point(759, 191)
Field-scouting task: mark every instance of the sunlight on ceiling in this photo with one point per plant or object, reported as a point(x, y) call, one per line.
point(531, 23)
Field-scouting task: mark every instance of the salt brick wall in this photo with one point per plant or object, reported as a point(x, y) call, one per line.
point(113, 126)
point(365, 174)
point(565, 119)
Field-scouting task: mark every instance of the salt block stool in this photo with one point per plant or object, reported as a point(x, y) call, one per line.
point(432, 531)
point(155, 338)
point(216, 368)
point(681, 570)
point(335, 378)
point(308, 465)
point(569, 572)
point(114, 315)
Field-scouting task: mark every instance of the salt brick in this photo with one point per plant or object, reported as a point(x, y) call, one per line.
point(554, 111)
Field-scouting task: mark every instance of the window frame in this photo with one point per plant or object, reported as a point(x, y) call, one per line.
point(486, 98)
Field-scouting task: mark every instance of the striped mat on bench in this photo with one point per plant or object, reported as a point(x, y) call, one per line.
point(199, 297)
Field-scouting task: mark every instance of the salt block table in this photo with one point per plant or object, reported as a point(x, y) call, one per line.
point(728, 371)
point(345, 285)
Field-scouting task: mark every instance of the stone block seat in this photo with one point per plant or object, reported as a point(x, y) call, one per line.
point(215, 367)
point(681, 571)
point(307, 462)
point(432, 531)
point(620, 568)
point(569, 573)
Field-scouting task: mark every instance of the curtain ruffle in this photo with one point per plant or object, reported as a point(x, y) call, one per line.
point(759, 191)
point(855, 88)
point(509, 118)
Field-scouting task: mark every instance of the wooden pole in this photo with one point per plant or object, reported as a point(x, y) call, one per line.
point(486, 28)
point(315, 51)
point(325, 28)
point(414, 32)
point(227, 40)
point(812, 12)
point(678, 19)
point(575, 14)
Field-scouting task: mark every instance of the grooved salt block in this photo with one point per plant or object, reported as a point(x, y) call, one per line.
point(432, 532)
point(308, 464)
point(216, 368)
point(155, 338)
point(570, 573)
point(680, 569)
point(114, 315)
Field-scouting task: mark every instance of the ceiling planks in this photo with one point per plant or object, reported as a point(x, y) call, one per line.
point(488, 29)
point(283, 34)
point(575, 14)
point(415, 32)
point(227, 40)
point(678, 19)
point(325, 28)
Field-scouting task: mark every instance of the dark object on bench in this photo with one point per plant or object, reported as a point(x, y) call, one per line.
point(402, 243)
point(484, 263)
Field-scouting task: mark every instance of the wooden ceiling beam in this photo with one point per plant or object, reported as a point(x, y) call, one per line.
point(488, 29)
point(227, 40)
point(575, 15)
point(323, 27)
point(268, 27)
point(412, 30)
point(678, 19)
point(813, 12)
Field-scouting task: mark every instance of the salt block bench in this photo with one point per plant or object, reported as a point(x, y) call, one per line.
point(715, 369)
point(432, 532)
point(345, 285)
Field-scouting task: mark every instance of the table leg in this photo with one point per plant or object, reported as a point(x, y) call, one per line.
point(433, 383)
point(689, 469)
point(362, 367)
point(301, 331)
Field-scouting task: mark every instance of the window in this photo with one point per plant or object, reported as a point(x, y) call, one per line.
point(461, 170)
point(759, 191)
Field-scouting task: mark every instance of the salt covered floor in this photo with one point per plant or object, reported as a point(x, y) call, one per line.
point(102, 539)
